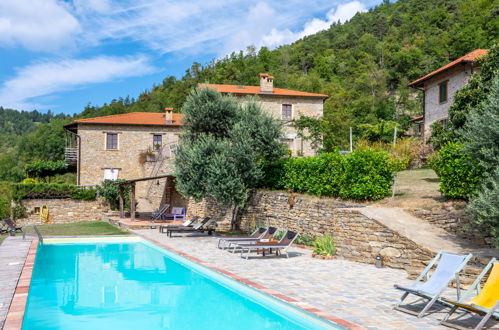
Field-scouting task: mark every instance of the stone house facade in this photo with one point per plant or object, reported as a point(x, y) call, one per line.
point(129, 146)
point(142, 144)
point(439, 88)
point(282, 104)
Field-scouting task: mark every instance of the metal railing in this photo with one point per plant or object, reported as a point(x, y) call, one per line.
point(71, 155)
point(25, 230)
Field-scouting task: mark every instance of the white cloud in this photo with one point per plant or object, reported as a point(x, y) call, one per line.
point(196, 26)
point(341, 13)
point(45, 78)
point(37, 24)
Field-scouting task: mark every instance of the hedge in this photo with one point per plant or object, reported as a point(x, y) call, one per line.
point(459, 174)
point(361, 175)
point(50, 191)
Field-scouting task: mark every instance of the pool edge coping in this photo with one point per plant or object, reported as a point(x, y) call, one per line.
point(17, 308)
point(277, 295)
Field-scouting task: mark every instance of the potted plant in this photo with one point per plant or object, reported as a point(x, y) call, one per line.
point(324, 247)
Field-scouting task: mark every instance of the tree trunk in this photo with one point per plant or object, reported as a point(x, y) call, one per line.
point(234, 225)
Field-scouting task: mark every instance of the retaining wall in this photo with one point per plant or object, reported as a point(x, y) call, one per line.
point(65, 210)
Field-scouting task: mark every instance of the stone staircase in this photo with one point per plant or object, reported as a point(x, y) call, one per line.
point(430, 237)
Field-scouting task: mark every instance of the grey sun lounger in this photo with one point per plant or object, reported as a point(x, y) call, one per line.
point(11, 226)
point(258, 233)
point(158, 214)
point(268, 234)
point(287, 239)
point(449, 266)
point(197, 228)
point(185, 224)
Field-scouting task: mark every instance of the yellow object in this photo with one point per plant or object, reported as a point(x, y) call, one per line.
point(44, 214)
point(489, 295)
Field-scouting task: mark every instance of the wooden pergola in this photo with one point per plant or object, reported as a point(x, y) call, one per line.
point(132, 183)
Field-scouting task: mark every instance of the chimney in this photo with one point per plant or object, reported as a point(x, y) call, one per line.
point(266, 83)
point(169, 115)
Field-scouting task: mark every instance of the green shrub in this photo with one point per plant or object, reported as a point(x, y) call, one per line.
point(324, 245)
point(361, 175)
point(273, 173)
point(458, 173)
point(110, 191)
point(4, 208)
point(368, 175)
point(29, 180)
point(483, 206)
point(45, 168)
point(50, 190)
point(307, 240)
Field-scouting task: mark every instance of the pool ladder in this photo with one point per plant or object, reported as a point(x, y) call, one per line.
point(40, 237)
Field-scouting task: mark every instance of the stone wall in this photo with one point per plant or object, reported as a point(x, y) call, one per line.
point(63, 210)
point(356, 236)
point(452, 217)
point(300, 106)
point(132, 141)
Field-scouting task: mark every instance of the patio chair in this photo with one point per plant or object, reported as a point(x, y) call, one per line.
point(185, 224)
point(11, 226)
point(178, 213)
point(197, 228)
point(270, 233)
point(285, 242)
point(259, 232)
point(159, 213)
point(449, 266)
point(486, 300)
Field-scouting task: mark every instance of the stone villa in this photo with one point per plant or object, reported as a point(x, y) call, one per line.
point(284, 104)
point(142, 144)
point(439, 88)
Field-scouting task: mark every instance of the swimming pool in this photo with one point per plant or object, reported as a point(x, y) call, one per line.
point(130, 283)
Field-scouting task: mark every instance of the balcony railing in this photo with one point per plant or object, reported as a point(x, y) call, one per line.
point(71, 155)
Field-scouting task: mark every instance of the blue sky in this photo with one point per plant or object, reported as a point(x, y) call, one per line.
point(63, 55)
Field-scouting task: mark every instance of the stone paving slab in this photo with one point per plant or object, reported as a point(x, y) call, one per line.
point(13, 252)
point(359, 293)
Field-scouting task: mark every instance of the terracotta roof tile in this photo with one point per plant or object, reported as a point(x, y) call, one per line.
point(134, 118)
point(471, 57)
point(255, 90)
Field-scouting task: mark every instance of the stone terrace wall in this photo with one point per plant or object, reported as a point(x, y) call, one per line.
point(356, 236)
point(63, 210)
point(452, 217)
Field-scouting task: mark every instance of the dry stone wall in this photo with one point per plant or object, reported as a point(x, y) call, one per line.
point(356, 236)
point(451, 216)
point(63, 210)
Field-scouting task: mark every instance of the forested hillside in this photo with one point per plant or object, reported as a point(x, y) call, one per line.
point(364, 65)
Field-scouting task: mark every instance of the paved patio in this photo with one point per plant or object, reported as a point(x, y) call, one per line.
point(13, 252)
point(356, 292)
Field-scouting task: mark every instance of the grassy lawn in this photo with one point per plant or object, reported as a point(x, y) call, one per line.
point(94, 228)
point(80, 228)
point(415, 188)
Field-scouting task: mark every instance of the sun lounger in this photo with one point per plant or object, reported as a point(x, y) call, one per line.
point(185, 224)
point(11, 226)
point(285, 242)
point(449, 266)
point(486, 300)
point(158, 214)
point(197, 228)
point(254, 235)
point(234, 242)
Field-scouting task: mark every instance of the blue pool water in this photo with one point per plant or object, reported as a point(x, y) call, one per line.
point(136, 285)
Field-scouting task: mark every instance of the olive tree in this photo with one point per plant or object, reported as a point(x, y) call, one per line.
point(223, 147)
